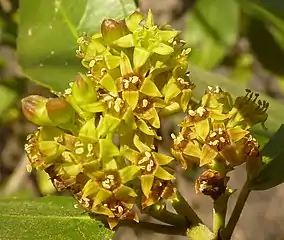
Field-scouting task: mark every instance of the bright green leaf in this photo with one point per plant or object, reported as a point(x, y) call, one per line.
point(51, 218)
point(47, 39)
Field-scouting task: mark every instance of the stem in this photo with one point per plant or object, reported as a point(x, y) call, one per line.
point(165, 216)
point(219, 213)
point(196, 229)
point(182, 208)
point(228, 231)
point(157, 228)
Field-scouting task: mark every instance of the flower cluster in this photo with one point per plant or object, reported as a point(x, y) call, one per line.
point(98, 139)
point(217, 135)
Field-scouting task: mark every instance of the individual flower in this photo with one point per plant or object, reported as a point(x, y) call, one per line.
point(211, 183)
point(152, 165)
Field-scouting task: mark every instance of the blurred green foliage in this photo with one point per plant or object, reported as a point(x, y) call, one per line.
point(12, 82)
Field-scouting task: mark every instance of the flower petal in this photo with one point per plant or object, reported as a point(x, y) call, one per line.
point(88, 130)
point(112, 61)
point(101, 196)
point(166, 35)
point(108, 124)
point(170, 91)
point(192, 150)
point(185, 98)
point(124, 192)
point(125, 65)
point(108, 149)
point(125, 41)
point(202, 128)
point(90, 188)
point(140, 56)
point(237, 133)
point(108, 83)
point(131, 97)
point(149, 20)
point(155, 120)
point(207, 155)
point(145, 128)
point(128, 173)
point(162, 159)
point(163, 49)
point(130, 154)
point(93, 107)
point(132, 22)
point(146, 184)
point(100, 209)
point(140, 145)
point(163, 174)
point(149, 88)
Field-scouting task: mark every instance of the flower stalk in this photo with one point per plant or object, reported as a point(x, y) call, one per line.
point(226, 234)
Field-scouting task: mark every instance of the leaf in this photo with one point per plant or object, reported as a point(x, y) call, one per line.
point(211, 32)
point(47, 37)
point(48, 218)
point(271, 173)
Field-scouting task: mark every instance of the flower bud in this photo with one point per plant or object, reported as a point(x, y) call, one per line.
point(34, 109)
point(59, 110)
point(83, 90)
point(112, 30)
point(211, 183)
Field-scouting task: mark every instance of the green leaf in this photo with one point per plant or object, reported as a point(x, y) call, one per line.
point(271, 174)
point(211, 32)
point(48, 218)
point(47, 39)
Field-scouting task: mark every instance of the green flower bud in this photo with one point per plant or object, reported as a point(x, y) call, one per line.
point(34, 109)
point(112, 30)
point(59, 111)
point(84, 90)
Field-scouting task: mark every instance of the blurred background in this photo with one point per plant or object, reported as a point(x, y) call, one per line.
point(241, 40)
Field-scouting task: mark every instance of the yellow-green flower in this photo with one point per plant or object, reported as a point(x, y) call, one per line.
point(218, 131)
point(152, 165)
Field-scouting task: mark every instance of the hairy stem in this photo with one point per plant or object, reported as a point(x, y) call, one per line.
point(226, 234)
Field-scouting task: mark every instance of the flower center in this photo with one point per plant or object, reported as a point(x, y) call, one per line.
point(147, 163)
point(182, 84)
point(109, 182)
point(218, 139)
point(132, 83)
point(113, 103)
